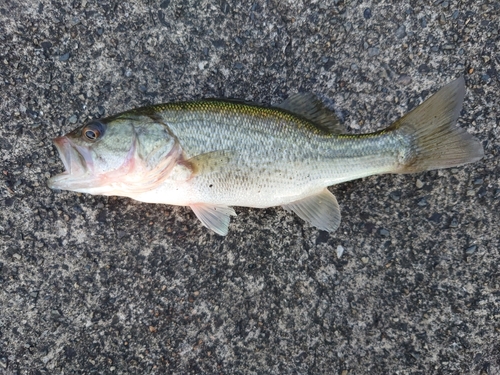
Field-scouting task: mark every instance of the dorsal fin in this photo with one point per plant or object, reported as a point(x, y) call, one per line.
point(232, 100)
point(308, 106)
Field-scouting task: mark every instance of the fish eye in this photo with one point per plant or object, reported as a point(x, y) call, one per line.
point(93, 131)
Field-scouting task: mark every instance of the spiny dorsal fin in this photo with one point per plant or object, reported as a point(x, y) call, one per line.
point(308, 106)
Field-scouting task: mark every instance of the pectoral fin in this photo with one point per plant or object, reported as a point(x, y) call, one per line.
point(321, 210)
point(214, 217)
point(210, 162)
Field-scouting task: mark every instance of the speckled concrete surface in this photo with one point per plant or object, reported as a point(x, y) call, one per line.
point(108, 285)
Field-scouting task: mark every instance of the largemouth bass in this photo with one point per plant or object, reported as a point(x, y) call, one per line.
point(214, 154)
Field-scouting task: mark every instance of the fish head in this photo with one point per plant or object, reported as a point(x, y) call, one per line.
point(121, 155)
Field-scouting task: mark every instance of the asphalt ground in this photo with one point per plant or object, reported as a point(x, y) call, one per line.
point(107, 285)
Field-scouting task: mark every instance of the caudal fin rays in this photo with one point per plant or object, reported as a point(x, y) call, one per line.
point(436, 141)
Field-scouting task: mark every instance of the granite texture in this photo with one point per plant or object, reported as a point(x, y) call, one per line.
point(97, 285)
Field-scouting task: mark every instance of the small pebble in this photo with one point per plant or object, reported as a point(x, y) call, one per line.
point(373, 51)
point(224, 7)
point(73, 119)
point(471, 193)
point(395, 195)
point(340, 251)
point(384, 232)
point(46, 45)
point(64, 57)
point(401, 32)
point(424, 68)
point(404, 79)
point(471, 250)
point(422, 202)
point(478, 181)
point(454, 223)
point(364, 260)
point(367, 13)
point(419, 184)
point(482, 192)
point(486, 78)
point(436, 217)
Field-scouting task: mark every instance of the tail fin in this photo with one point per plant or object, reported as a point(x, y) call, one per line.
point(435, 140)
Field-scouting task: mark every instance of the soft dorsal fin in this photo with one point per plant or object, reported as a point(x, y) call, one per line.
point(308, 106)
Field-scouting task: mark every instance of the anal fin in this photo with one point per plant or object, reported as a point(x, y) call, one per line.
point(214, 217)
point(320, 210)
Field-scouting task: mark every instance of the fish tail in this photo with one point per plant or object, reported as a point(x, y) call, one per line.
point(434, 139)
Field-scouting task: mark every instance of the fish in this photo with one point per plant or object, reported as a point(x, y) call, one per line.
point(212, 155)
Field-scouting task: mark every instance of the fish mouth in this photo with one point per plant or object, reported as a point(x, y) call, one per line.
point(78, 165)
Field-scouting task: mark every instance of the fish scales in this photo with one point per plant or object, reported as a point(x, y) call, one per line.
point(276, 150)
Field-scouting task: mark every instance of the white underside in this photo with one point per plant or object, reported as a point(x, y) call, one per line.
point(186, 193)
